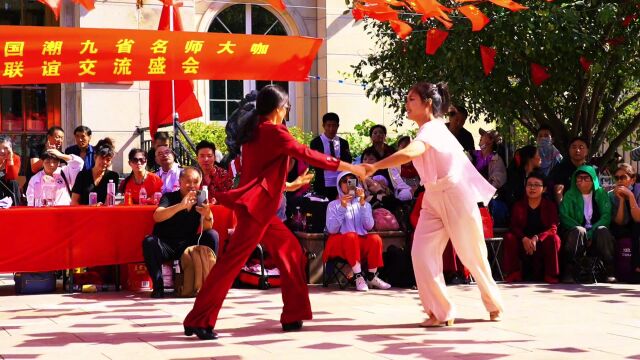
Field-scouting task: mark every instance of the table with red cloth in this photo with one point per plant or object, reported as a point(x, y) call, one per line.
point(66, 237)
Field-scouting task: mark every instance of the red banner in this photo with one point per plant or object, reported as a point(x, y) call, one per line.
point(41, 55)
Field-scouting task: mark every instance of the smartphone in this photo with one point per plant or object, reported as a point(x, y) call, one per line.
point(351, 185)
point(201, 197)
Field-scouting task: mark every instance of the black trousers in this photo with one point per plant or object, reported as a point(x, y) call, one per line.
point(156, 251)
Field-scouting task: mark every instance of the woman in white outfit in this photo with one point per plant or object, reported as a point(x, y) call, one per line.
point(453, 187)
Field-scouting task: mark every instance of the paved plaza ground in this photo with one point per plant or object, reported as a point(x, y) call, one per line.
point(542, 322)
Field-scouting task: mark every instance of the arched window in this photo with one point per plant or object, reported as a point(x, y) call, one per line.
point(240, 19)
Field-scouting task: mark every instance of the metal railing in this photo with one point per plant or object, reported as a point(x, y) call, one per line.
point(185, 151)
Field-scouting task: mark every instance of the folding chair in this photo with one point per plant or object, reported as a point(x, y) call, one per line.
point(336, 270)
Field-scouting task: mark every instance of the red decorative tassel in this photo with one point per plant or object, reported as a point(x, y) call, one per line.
point(435, 39)
point(538, 74)
point(488, 59)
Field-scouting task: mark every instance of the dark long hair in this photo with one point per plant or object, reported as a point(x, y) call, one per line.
point(242, 123)
point(438, 93)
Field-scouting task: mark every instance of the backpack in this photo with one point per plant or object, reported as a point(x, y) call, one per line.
point(384, 220)
point(398, 267)
point(197, 261)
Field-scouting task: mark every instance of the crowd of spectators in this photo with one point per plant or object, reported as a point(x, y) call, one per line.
point(554, 208)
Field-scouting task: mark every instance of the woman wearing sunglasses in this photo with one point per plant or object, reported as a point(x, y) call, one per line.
point(140, 177)
point(625, 198)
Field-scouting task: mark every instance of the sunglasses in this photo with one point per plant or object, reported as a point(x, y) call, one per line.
point(138, 160)
point(533, 186)
point(621, 177)
point(584, 178)
point(452, 113)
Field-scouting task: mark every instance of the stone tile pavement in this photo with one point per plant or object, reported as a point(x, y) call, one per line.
point(542, 322)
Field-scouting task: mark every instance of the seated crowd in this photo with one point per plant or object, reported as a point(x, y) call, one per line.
point(555, 211)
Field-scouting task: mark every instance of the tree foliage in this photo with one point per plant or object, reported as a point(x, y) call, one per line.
point(599, 104)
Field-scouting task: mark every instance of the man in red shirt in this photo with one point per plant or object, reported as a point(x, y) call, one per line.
point(215, 178)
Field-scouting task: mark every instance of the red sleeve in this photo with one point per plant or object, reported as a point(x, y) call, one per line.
point(157, 184)
point(13, 170)
point(550, 219)
point(518, 220)
point(293, 148)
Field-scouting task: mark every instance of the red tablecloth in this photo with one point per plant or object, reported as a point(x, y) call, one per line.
point(54, 238)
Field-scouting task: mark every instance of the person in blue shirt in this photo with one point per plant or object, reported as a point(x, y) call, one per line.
point(82, 148)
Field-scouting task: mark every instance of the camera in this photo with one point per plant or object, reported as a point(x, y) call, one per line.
point(202, 196)
point(351, 185)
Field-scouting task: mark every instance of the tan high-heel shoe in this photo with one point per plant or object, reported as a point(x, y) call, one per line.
point(433, 322)
point(495, 315)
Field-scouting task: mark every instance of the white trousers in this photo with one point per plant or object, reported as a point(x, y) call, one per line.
point(448, 212)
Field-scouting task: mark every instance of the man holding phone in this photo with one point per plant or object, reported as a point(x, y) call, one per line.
point(178, 218)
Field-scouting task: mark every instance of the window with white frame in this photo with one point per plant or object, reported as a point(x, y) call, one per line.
point(240, 19)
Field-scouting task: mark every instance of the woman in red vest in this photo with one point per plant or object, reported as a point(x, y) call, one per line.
point(266, 148)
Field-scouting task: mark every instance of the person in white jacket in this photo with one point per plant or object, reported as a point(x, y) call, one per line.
point(349, 220)
point(52, 185)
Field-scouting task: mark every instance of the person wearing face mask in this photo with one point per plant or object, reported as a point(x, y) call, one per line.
point(625, 199)
point(549, 154)
point(54, 181)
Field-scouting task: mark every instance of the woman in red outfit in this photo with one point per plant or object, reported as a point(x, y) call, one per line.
point(533, 236)
point(266, 148)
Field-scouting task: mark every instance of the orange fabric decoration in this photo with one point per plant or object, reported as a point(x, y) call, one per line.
point(278, 4)
point(433, 9)
point(160, 99)
point(435, 39)
point(511, 5)
point(488, 56)
point(54, 5)
point(585, 63)
point(538, 74)
point(401, 28)
point(87, 4)
point(122, 55)
point(478, 19)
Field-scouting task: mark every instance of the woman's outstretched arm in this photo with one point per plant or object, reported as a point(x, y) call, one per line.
point(413, 150)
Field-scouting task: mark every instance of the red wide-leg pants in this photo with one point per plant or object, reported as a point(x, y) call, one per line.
point(355, 248)
point(286, 252)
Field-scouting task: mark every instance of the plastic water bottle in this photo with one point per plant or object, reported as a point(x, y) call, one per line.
point(93, 198)
point(156, 198)
point(111, 193)
point(142, 197)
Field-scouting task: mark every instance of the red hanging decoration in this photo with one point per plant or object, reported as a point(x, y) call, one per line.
point(278, 4)
point(585, 63)
point(538, 74)
point(478, 19)
point(511, 5)
point(54, 5)
point(488, 56)
point(435, 39)
point(401, 28)
point(87, 4)
point(628, 19)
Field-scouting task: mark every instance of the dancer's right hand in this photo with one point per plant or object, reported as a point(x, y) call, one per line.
point(370, 169)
